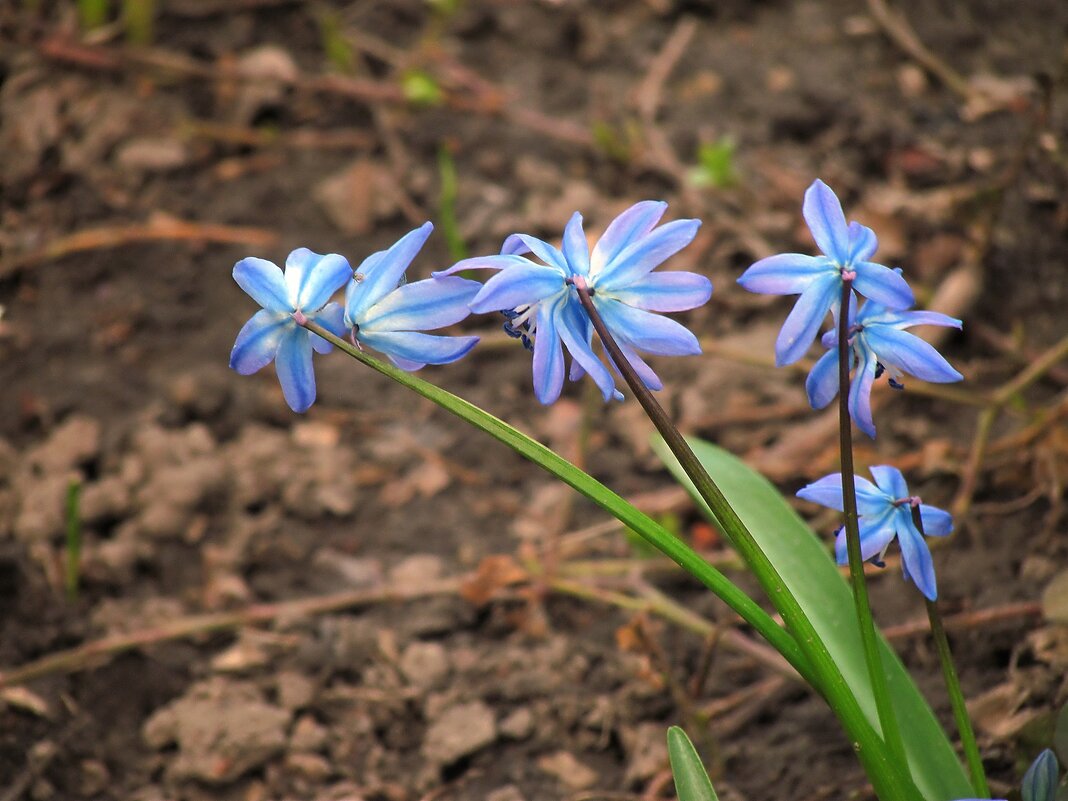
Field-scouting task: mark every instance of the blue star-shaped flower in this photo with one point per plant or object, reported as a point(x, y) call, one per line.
point(878, 343)
point(274, 333)
point(885, 510)
point(542, 304)
point(818, 279)
point(388, 315)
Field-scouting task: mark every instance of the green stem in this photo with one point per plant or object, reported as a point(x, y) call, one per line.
point(72, 568)
point(674, 548)
point(891, 781)
point(956, 697)
point(868, 636)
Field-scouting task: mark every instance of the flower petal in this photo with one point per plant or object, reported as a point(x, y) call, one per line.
point(330, 317)
point(916, 561)
point(666, 292)
point(907, 319)
point(647, 331)
point(822, 382)
point(631, 225)
point(936, 522)
point(910, 354)
point(883, 285)
point(805, 319)
point(410, 346)
point(294, 367)
point(645, 254)
point(785, 273)
point(312, 278)
point(258, 340)
point(571, 321)
point(262, 280)
point(875, 536)
point(860, 392)
point(646, 373)
point(890, 480)
point(576, 248)
point(862, 242)
point(519, 244)
point(484, 263)
point(823, 213)
point(423, 305)
point(382, 272)
point(548, 355)
point(518, 286)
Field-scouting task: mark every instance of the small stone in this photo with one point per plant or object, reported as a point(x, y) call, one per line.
point(152, 154)
point(354, 571)
point(417, 569)
point(107, 499)
point(294, 690)
point(95, 777)
point(507, 793)
point(519, 724)
point(568, 770)
point(308, 735)
point(73, 443)
point(310, 766)
point(461, 730)
point(425, 664)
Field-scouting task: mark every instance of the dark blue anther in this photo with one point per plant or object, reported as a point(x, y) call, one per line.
point(896, 384)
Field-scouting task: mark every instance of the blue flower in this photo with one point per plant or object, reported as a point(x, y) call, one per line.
point(1040, 781)
point(885, 510)
point(541, 302)
point(878, 343)
point(818, 279)
point(388, 315)
point(274, 333)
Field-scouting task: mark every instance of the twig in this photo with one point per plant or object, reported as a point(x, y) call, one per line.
point(967, 620)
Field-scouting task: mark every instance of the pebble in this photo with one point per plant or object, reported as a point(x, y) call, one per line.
point(519, 724)
point(294, 690)
point(425, 664)
point(461, 730)
point(568, 770)
point(308, 735)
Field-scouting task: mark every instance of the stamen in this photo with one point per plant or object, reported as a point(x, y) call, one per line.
point(299, 318)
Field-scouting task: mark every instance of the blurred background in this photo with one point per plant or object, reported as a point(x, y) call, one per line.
point(205, 596)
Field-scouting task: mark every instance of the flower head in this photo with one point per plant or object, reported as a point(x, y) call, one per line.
point(847, 250)
point(878, 343)
point(385, 313)
point(885, 510)
point(542, 305)
point(274, 333)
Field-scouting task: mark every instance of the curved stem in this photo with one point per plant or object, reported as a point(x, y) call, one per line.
point(891, 780)
point(868, 636)
point(669, 545)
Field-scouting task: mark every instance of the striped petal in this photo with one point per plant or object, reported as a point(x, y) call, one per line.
point(916, 561)
point(548, 355)
point(628, 227)
point(258, 340)
point(823, 213)
point(860, 393)
point(330, 317)
point(382, 272)
point(785, 273)
point(646, 331)
point(890, 480)
point(294, 367)
point(576, 248)
point(312, 278)
point(936, 522)
point(646, 254)
point(262, 280)
point(883, 285)
point(910, 354)
point(423, 305)
point(805, 319)
point(574, 333)
point(409, 347)
point(822, 382)
point(484, 263)
point(518, 286)
point(666, 292)
point(521, 244)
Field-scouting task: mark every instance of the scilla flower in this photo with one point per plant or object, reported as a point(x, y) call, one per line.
point(885, 510)
point(541, 302)
point(388, 315)
point(274, 333)
point(878, 343)
point(818, 279)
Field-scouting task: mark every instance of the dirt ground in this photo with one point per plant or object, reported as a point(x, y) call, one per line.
point(399, 608)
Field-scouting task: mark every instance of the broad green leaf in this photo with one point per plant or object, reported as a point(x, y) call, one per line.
point(691, 780)
point(808, 570)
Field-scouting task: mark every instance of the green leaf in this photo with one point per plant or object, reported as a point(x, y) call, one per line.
point(691, 780)
point(806, 567)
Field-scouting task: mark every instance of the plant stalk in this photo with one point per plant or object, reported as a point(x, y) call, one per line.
point(891, 781)
point(869, 638)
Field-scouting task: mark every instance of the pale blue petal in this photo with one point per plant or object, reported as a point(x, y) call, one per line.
point(423, 305)
point(883, 285)
point(666, 292)
point(576, 248)
point(410, 346)
point(890, 480)
point(262, 280)
point(258, 340)
point(860, 393)
point(628, 227)
point(548, 356)
point(823, 213)
point(407, 364)
point(826, 492)
point(936, 522)
point(312, 278)
point(294, 367)
point(875, 535)
point(822, 383)
point(910, 354)
point(646, 254)
point(520, 244)
point(381, 276)
point(330, 317)
point(907, 319)
point(571, 322)
point(862, 243)
point(785, 273)
point(518, 286)
point(916, 561)
point(647, 331)
point(484, 263)
point(805, 319)
point(643, 370)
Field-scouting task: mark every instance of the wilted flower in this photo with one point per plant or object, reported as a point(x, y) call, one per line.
point(274, 333)
point(541, 302)
point(885, 511)
point(818, 279)
point(388, 315)
point(878, 343)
